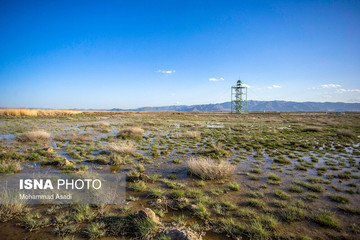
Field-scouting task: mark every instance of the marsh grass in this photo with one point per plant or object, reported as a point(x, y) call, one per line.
point(132, 132)
point(311, 197)
point(145, 228)
point(34, 137)
point(137, 186)
point(295, 189)
point(123, 147)
point(234, 186)
point(192, 134)
point(209, 169)
point(201, 211)
point(11, 205)
point(327, 219)
point(256, 194)
point(274, 177)
point(34, 221)
point(281, 194)
point(339, 198)
point(10, 167)
point(256, 170)
point(156, 193)
point(256, 203)
point(232, 227)
point(313, 129)
point(193, 193)
point(282, 160)
point(309, 186)
point(293, 213)
point(348, 209)
point(345, 133)
point(96, 230)
point(65, 230)
point(83, 212)
point(180, 219)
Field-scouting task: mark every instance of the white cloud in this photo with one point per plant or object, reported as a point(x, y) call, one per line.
point(165, 71)
point(245, 85)
point(331, 85)
point(274, 86)
point(216, 79)
point(341, 90)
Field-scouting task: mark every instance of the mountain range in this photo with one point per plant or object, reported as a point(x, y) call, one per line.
point(259, 106)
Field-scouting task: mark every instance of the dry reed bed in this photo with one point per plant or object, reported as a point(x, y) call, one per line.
point(18, 112)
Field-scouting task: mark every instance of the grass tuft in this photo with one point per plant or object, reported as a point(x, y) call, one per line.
point(208, 169)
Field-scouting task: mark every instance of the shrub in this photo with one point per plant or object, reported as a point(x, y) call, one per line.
point(208, 169)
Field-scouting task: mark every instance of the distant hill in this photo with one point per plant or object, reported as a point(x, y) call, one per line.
point(260, 106)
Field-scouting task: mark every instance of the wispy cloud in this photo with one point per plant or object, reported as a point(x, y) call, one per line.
point(166, 71)
point(331, 85)
point(274, 86)
point(341, 90)
point(216, 79)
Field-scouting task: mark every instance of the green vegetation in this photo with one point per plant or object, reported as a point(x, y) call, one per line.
point(327, 219)
point(236, 175)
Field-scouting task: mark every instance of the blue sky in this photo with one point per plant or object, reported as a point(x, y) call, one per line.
point(127, 54)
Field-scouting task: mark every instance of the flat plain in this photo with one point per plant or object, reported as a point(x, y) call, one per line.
point(191, 175)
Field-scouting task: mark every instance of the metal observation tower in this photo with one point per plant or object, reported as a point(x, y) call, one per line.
point(239, 98)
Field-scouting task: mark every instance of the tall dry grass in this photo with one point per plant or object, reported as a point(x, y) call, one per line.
point(19, 112)
point(132, 132)
point(35, 136)
point(209, 169)
point(125, 147)
point(192, 134)
point(10, 167)
point(345, 133)
point(313, 129)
